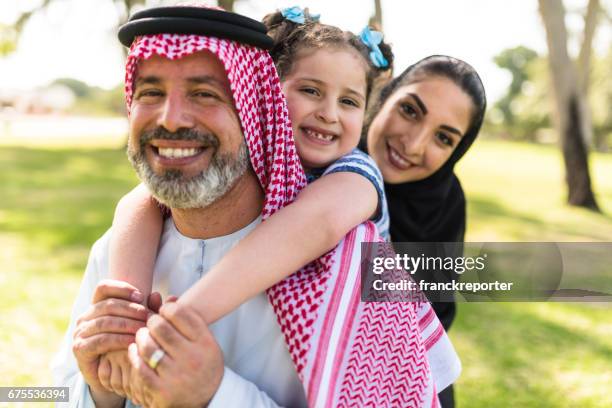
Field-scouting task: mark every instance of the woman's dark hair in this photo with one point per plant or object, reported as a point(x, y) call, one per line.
point(292, 38)
point(460, 72)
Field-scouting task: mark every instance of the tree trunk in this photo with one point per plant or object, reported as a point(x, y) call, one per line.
point(569, 106)
point(376, 21)
point(584, 58)
point(584, 65)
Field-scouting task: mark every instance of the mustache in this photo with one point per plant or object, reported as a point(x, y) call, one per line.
point(208, 139)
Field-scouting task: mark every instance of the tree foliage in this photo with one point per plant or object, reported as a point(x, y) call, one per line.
point(515, 60)
point(92, 100)
point(10, 35)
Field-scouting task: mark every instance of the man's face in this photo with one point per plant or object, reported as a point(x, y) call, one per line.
point(186, 142)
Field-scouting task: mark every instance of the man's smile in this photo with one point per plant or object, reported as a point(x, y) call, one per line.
point(177, 153)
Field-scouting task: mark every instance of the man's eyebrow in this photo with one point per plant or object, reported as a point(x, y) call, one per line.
point(200, 79)
point(206, 79)
point(150, 79)
point(452, 130)
point(419, 102)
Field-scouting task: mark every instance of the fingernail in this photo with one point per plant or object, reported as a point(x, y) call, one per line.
point(137, 296)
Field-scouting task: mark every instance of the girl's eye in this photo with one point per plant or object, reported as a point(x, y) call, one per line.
point(310, 91)
point(445, 139)
point(409, 110)
point(349, 102)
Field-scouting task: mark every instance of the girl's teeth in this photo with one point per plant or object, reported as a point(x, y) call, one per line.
point(320, 136)
point(172, 153)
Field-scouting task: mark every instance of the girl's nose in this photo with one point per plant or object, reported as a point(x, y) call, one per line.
point(327, 112)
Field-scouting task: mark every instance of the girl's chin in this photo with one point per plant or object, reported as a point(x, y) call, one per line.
point(316, 159)
point(310, 162)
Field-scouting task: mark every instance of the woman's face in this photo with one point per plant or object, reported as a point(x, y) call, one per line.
point(418, 128)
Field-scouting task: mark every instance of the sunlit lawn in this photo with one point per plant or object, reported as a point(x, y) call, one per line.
point(56, 202)
point(538, 354)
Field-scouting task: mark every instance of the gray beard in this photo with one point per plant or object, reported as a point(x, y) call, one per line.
point(174, 190)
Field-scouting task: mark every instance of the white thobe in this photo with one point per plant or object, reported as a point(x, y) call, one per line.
point(258, 368)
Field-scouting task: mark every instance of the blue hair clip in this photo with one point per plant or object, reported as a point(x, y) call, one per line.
point(297, 15)
point(372, 39)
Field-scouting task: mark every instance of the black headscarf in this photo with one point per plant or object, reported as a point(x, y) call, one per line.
point(433, 209)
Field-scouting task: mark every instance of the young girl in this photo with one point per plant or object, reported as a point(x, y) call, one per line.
point(326, 75)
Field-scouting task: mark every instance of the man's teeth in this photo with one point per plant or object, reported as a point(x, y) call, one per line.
point(173, 153)
point(399, 158)
point(320, 136)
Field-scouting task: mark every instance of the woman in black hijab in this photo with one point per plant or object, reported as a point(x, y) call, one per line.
point(419, 127)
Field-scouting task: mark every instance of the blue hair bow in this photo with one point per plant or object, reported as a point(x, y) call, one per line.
point(372, 39)
point(296, 14)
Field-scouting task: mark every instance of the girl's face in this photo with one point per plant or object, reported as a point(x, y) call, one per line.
point(326, 97)
point(418, 128)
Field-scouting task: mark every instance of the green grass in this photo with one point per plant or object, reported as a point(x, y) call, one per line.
point(55, 204)
point(57, 201)
point(532, 354)
point(516, 192)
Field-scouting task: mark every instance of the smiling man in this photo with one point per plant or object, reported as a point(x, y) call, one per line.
point(211, 139)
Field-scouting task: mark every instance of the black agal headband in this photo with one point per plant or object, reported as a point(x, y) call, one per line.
point(195, 20)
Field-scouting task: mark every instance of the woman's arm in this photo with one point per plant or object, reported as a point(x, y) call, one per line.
point(294, 236)
point(135, 239)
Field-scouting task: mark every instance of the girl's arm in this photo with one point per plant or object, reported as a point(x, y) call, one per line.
point(135, 236)
point(135, 239)
point(323, 213)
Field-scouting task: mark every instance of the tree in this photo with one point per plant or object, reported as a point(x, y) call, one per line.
point(516, 61)
point(571, 119)
point(376, 20)
point(124, 10)
point(226, 4)
point(584, 58)
point(8, 40)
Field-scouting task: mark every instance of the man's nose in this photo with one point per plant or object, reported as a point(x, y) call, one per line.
point(175, 114)
point(415, 144)
point(328, 111)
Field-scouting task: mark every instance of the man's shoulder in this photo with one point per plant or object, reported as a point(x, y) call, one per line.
point(99, 252)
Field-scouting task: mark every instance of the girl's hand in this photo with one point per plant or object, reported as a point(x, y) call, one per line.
point(114, 372)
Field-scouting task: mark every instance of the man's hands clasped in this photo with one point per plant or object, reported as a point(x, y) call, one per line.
point(191, 365)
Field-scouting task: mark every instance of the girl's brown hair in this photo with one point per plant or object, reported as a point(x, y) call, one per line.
point(290, 39)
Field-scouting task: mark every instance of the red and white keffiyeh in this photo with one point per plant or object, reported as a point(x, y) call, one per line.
point(347, 353)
